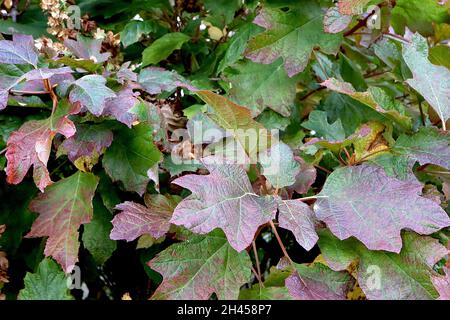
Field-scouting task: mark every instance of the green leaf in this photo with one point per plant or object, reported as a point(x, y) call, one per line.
point(14, 213)
point(96, 234)
point(258, 86)
point(291, 35)
point(232, 116)
point(133, 31)
point(63, 208)
point(237, 44)
point(318, 122)
point(418, 15)
point(427, 146)
point(375, 98)
point(130, 156)
point(199, 267)
point(48, 283)
point(91, 92)
point(273, 289)
point(163, 47)
point(223, 8)
point(87, 65)
point(388, 276)
point(432, 82)
point(440, 55)
point(279, 165)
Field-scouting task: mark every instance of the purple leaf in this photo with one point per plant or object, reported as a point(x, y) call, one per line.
point(89, 142)
point(119, 106)
point(92, 93)
point(20, 50)
point(365, 203)
point(156, 80)
point(442, 284)
point(305, 178)
point(125, 73)
point(63, 208)
point(296, 216)
point(87, 48)
point(31, 145)
point(135, 220)
point(223, 199)
point(426, 146)
point(46, 73)
point(291, 35)
point(318, 282)
point(334, 21)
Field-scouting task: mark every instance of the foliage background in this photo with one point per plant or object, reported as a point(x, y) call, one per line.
point(362, 114)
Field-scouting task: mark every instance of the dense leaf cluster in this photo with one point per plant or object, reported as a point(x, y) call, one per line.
point(220, 149)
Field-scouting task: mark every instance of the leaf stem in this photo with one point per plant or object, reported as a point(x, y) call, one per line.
point(3, 151)
point(258, 268)
point(257, 277)
point(361, 23)
point(28, 92)
point(422, 115)
point(283, 248)
point(322, 168)
point(311, 198)
point(396, 37)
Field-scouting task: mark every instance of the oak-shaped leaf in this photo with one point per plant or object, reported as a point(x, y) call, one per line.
point(375, 98)
point(84, 148)
point(135, 220)
point(292, 35)
point(199, 267)
point(251, 82)
point(120, 106)
point(223, 199)
point(125, 73)
point(96, 233)
point(130, 156)
point(442, 284)
point(250, 135)
point(279, 165)
point(237, 44)
point(48, 283)
point(305, 178)
point(87, 48)
point(318, 123)
point(91, 92)
point(431, 81)
point(334, 21)
point(404, 16)
point(31, 145)
point(156, 80)
point(29, 81)
point(427, 146)
point(385, 275)
point(318, 282)
point(19, 50)
point(366, 203)
point(273, 288)
point(63, 208)
point(298, 217)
